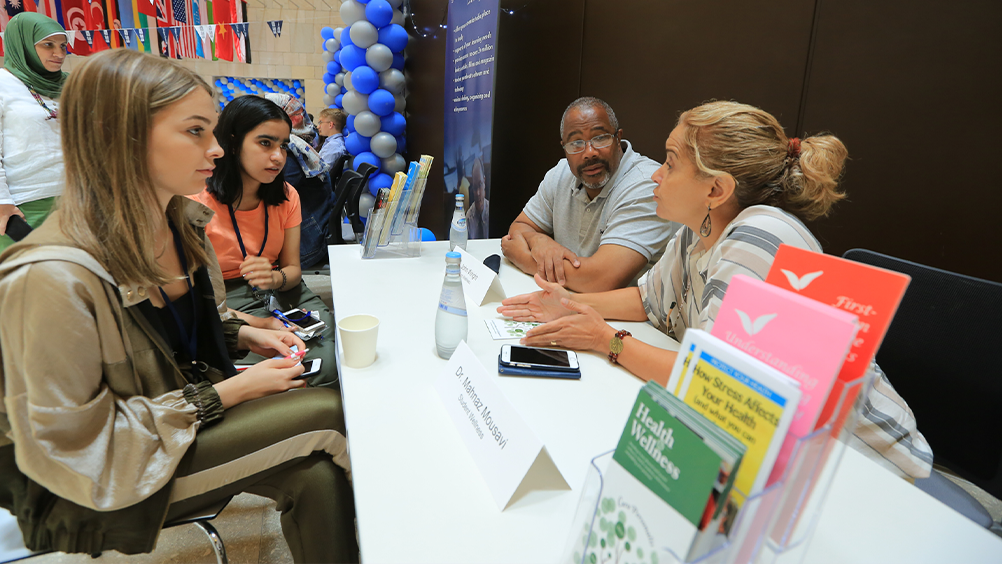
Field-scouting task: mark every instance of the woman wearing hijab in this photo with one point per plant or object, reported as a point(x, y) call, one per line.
point(31, 158)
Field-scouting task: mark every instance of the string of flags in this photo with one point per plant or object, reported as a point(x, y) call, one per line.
point(207, 32)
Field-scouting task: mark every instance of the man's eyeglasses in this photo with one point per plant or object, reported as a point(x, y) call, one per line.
point(597, 142)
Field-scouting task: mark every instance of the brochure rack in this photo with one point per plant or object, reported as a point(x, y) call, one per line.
point(772, 526)
point(403, 242)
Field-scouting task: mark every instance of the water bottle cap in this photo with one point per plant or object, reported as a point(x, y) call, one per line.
point(460, 197)
point(453, 255)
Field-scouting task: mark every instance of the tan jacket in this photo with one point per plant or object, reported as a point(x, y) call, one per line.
point(92, 396)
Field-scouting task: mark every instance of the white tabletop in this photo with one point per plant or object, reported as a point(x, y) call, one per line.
point(420, 498)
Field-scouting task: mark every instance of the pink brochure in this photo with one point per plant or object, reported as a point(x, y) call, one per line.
point(802, 338)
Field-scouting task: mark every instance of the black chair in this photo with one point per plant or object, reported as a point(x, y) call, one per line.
point(939, 355)
point(338, 168)
point(344, 188)
point(351, 210)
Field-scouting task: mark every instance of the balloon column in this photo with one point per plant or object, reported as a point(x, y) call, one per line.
point(365, 64)
point(230, 87)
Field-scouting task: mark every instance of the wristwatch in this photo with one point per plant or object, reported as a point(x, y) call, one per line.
point(616, 345)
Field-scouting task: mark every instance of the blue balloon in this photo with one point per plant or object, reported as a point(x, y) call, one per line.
point(348, 129)
point(357, 144)
point(366, 157)
point(337, 100)
point(346, 38)
point(297, 84)
point(381, 102)
point(332, 68)
point(427, 235)
point(379, 13)
point(344, 90)
point(327, 33)
point(381, 180)
point(328, 78)
point(362, 1)
point(394, 36)
point(398, 61)
point(337, 56)
point(364, 79)
point(350, 122)
point(352, 57)
point(401, 144)
point(394, 124)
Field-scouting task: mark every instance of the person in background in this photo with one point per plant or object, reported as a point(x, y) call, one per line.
point(740, 188)
point(255, 229)
point(31, 158)
point(591, 225)
point(307, 172)
point(478, 213)
point(331, 124)
point(140, 416)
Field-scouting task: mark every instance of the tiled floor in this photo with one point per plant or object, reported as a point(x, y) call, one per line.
point(249, 527)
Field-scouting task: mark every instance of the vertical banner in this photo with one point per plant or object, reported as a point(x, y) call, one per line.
point(469, 109)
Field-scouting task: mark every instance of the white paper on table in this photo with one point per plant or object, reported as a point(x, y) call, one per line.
point(478, 279)
point(508, 328)
point(511, 459)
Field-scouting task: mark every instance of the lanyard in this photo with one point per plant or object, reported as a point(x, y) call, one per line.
point(190, 343)
point(236, 229)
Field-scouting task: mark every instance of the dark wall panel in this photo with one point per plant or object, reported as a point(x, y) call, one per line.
point(653, 59)
point(913, 89)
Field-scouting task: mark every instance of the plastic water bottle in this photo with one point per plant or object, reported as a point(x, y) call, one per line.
point(450, 322)
point(457, 232)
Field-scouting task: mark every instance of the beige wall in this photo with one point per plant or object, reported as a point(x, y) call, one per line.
point(297, 54)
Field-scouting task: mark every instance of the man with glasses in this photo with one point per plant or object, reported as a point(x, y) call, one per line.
point(591, 226)
point(330, 123)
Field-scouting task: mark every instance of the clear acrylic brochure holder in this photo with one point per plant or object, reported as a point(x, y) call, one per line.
point(400, 240)
point(772, 526)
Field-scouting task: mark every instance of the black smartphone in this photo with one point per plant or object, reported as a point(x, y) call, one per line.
point(17, 228)
point(539, 359)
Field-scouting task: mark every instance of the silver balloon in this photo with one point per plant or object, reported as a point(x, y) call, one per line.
point(398, 17)
point(347, 81)
point(392, 80)
point(328, 99)
point(328, 55)
point(395, 3)
point(331, 46)
point(339, 80)
point(379, 57)
point(363, 33)
point(337, 34)
point(392, 164)
point(333, 89)
point(368, 124)
point(351, 12)
point(383, 144)
point(365, 203)
point(400, 105)
point(355, 102)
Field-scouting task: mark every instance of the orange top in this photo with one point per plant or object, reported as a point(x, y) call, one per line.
point(251, 224)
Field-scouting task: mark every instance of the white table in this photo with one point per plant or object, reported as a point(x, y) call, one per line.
point(420, 498)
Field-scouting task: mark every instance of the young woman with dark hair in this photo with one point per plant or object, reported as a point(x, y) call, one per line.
point(139, 416)
point(256, 227)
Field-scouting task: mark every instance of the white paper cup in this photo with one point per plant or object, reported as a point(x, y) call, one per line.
point(358, 339)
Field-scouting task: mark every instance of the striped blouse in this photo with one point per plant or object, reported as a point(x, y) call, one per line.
point(685, 289)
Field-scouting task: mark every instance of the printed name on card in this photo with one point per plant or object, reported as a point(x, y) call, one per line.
point(478, 280)
point(511, 459)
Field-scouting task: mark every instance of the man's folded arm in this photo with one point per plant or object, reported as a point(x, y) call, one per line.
point(611, 267)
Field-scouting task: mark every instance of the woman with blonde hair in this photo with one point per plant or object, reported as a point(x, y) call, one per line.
point(740, 187)
point(141, 416)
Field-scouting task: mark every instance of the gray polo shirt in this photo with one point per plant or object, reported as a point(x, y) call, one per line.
point(622, 214)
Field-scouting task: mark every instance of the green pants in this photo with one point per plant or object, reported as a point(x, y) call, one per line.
point(311, 492)
point(34, 214)
point(240, 296)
